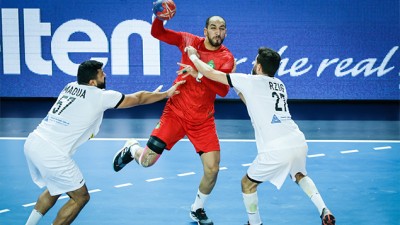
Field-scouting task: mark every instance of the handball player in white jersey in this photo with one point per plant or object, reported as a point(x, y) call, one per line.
point(282, 148)
point(74, 118)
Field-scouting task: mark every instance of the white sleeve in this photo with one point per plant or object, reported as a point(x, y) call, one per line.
point(111, 99)
point(240, 81)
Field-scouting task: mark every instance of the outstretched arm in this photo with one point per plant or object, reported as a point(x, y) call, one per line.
point(205, 69)
point(147, 97)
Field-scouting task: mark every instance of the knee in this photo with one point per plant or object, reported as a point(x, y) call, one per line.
point(212, 171)
point(299, 176)
point(248, 186)
point(83, 200)
point(86, 197)
point(245, 186)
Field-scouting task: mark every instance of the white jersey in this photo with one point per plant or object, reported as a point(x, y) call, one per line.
point(76, 116)
point(266, 101)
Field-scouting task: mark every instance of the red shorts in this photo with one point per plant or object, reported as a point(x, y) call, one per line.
point(171, 128)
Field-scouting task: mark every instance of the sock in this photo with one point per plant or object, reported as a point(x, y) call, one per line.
point(311, 190)
point(34, 217)
point(133, 149)
point(199, 200)
point(251, 204)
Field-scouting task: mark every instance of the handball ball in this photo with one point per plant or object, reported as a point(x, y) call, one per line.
point(164, 9)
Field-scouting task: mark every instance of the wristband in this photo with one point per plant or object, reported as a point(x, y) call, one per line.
point(193, 57)
point(199, 76)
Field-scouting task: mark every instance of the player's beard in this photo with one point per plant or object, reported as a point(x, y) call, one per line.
point(253, 71)
point(102, 85)
point(215, 43)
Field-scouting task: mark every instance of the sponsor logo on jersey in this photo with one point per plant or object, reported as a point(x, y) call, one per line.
point(275, 119)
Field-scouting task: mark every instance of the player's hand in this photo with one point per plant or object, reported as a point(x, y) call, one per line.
point(186, 70)
point(172, 90)
point(191, 51)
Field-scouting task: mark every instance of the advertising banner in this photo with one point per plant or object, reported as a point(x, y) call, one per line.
point(331, 50)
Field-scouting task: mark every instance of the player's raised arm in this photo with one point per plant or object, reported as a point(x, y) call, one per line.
point(205, 69)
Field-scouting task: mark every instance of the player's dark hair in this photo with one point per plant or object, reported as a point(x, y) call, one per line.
point(269, 60)
point(208, 20)
point(88, 71)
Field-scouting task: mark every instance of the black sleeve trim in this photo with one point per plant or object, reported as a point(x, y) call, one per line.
point(229, 80)
point(122, 99)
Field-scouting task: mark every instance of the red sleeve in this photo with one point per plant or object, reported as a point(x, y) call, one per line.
point(221, 89)
point(168, 36)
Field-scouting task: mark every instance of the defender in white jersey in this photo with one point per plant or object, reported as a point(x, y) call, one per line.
point(74, 118)
point(282, 148)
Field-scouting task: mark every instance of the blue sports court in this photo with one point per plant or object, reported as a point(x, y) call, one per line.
point(356, 177)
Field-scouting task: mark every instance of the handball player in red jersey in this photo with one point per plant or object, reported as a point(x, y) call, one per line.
point(190, 113)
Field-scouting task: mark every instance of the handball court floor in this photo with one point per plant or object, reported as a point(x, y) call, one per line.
point(355, 164)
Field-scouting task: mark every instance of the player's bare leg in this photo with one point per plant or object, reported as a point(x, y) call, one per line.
point(44, 203)
point(75, 204)
point(210, 162)
point(146, 157)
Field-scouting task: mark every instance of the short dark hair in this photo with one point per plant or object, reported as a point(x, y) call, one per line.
point(269, 60)
point(88, 71)
point(208, 20)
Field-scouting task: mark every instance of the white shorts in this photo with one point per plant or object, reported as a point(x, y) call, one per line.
point(274, 166)
point(49, 167)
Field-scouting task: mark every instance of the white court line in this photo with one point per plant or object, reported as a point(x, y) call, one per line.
point(186, 174)
point(223, 168)
point(94, 190)
point(63, 197)
point(4, 210)
point(122, 185)
point(246, 164)
point(315, 155)
point(155, 179)
point(382, 148)
point(349, 151)
point(29, 204)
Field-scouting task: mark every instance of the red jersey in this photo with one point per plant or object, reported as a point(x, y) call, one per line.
point(195, 103)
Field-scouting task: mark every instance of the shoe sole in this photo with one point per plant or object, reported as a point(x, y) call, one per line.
point(116, 169)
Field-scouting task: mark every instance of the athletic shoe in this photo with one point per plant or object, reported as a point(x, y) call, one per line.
point(327, 217)
point(200, 217)
point(248, 223)
point(124, 156)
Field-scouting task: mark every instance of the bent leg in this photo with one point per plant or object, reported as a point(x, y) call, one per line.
point(44, 203)
point(75, 204)
point(149, 155)
point(308, 186)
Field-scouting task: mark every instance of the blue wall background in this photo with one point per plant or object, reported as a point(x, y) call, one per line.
point(358, 41)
